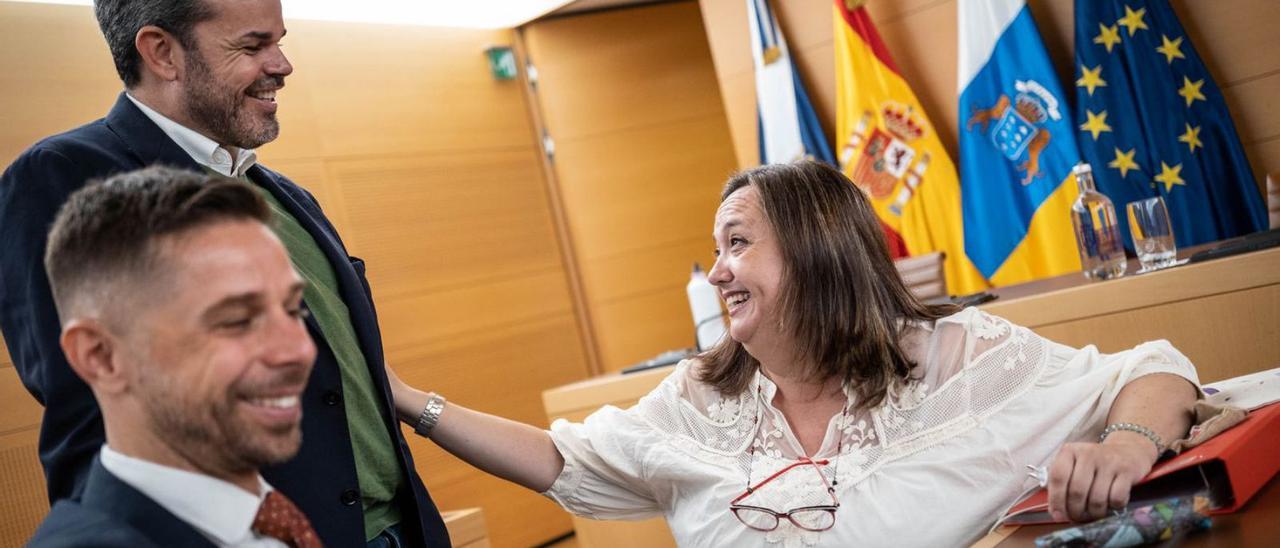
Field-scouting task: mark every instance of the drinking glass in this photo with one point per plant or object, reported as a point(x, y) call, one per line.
point(1152, 233)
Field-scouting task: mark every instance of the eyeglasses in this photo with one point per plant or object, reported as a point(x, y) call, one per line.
point(809, 518)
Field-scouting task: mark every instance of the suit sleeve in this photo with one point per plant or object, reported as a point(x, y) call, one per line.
point(31, 192)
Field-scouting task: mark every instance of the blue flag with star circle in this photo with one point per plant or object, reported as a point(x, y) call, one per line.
point(1152, 122)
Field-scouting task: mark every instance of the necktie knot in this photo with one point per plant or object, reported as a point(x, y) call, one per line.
point(279, 518)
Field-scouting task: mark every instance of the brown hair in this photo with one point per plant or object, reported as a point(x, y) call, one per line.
point(842, 298)
point(107, 231)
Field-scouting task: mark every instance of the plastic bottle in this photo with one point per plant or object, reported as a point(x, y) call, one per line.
point(704, 303)
point(1097, 230)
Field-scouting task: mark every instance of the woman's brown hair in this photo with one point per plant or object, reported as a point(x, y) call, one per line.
point(841, 298)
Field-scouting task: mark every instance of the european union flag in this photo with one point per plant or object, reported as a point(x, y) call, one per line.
point(1153, 123)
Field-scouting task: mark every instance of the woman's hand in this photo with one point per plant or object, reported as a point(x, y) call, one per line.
point(1086, 479)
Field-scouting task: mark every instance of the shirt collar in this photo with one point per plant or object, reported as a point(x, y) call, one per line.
point(221, 511)
point(203, 150)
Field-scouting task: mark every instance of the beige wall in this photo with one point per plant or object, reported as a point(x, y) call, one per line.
point(642, 149)
point(1237, 38)
point(429, 169)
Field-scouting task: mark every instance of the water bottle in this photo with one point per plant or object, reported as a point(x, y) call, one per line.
point(704, 302)
point(1097, 231)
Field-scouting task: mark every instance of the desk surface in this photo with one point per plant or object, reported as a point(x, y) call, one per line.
point(1258, 524)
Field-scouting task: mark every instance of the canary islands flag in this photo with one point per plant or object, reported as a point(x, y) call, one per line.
point(788, 126)
point(1152, 122)
point(1017, 147)
point(889, 148)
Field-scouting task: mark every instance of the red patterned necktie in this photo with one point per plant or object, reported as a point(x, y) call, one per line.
point(279, 518)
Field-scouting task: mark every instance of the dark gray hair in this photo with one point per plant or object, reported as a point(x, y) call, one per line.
point(120, 21)
point(108, 231)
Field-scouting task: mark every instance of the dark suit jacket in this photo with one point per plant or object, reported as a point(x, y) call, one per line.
point(108, 514)
point(321, 480)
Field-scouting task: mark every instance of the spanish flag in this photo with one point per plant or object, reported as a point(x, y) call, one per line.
point(890, 150)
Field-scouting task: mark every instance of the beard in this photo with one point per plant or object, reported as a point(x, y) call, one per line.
point(211, 434)
point(220, 109)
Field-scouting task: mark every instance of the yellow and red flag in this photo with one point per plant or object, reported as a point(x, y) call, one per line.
point(888, 147)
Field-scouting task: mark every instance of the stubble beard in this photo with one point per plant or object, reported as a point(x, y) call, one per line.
point(210, 435)
point(221, 110)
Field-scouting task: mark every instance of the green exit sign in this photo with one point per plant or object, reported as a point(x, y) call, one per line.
point(502, 61)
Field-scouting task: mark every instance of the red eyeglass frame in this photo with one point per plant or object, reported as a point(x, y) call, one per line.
point(734, 507)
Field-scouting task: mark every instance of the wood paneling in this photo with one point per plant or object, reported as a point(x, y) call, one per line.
point(641, 151)
point(57, 73)
point(1237, 40)
point(431, 172)
point(1224, 315)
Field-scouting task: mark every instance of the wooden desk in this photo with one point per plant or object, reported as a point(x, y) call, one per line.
point(466, 528)
point(1223, 314)
point(1258, 524)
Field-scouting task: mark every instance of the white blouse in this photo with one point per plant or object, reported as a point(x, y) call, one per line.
point(935, 465)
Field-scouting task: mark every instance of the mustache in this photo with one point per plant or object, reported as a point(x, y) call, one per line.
point(290, 378)
point(274, 81)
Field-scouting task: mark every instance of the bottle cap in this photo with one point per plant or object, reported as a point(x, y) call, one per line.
point(697, 268)
point(1081, 168)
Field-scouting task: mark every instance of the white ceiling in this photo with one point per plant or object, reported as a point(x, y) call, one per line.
point(589, 5)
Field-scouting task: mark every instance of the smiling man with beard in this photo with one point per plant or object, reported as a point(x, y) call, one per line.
point(200, 79)
point(182, 313)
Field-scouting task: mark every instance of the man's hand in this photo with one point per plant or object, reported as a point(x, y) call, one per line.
point(1088, 478)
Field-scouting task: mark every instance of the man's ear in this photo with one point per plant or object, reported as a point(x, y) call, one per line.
point(92, 352)
point(161, 53)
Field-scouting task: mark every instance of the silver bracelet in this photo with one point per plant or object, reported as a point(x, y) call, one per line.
point(1136, 428)
point(430, 415)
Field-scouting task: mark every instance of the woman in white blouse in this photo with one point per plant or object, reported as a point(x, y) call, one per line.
point(840, 410)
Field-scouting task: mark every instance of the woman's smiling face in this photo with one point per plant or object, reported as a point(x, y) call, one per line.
point(748, 268)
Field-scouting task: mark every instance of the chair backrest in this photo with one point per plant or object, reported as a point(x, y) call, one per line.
point(1273, 198)
point(923, 275)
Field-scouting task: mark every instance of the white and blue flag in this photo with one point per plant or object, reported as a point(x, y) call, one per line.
point(788, 126)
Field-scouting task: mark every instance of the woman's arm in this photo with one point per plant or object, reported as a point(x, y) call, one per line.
point(508, 449)
point(1087, 478)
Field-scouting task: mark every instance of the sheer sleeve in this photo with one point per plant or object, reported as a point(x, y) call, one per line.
point(1107, 374)
point(1074, 386)
point(606, 458)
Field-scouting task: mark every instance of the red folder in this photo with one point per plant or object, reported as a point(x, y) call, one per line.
point(1230, 468)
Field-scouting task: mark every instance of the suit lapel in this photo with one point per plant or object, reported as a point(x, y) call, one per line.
point(148, 143)
point(351, 286)
point(107, 494)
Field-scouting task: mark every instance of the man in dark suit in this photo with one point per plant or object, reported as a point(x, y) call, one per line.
point(200, 82)
point(182, 313)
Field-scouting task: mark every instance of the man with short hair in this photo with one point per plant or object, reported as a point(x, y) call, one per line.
point(182, 313)
point(201, 78)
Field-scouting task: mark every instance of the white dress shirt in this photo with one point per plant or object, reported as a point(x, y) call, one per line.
point(220, 511)
point(202, 149)
point(935, 465)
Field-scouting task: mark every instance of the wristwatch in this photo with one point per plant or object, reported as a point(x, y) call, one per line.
point(430, 415)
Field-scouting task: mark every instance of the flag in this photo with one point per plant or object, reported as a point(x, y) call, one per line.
point(1017, 147)
point(788, 126)
point(889, 148)
point(1152, 122)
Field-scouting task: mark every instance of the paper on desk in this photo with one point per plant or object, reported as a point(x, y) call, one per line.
point(1246, 392)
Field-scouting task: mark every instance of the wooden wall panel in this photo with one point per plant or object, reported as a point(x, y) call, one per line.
point(1237, 39)
point(642, 149)
point(25, 500)
point(40, 97)
point(431, 172)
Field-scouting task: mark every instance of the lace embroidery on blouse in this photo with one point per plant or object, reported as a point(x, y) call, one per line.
point(1000, 361)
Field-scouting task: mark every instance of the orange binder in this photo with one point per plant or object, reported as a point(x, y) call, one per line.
point(1230, 468)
